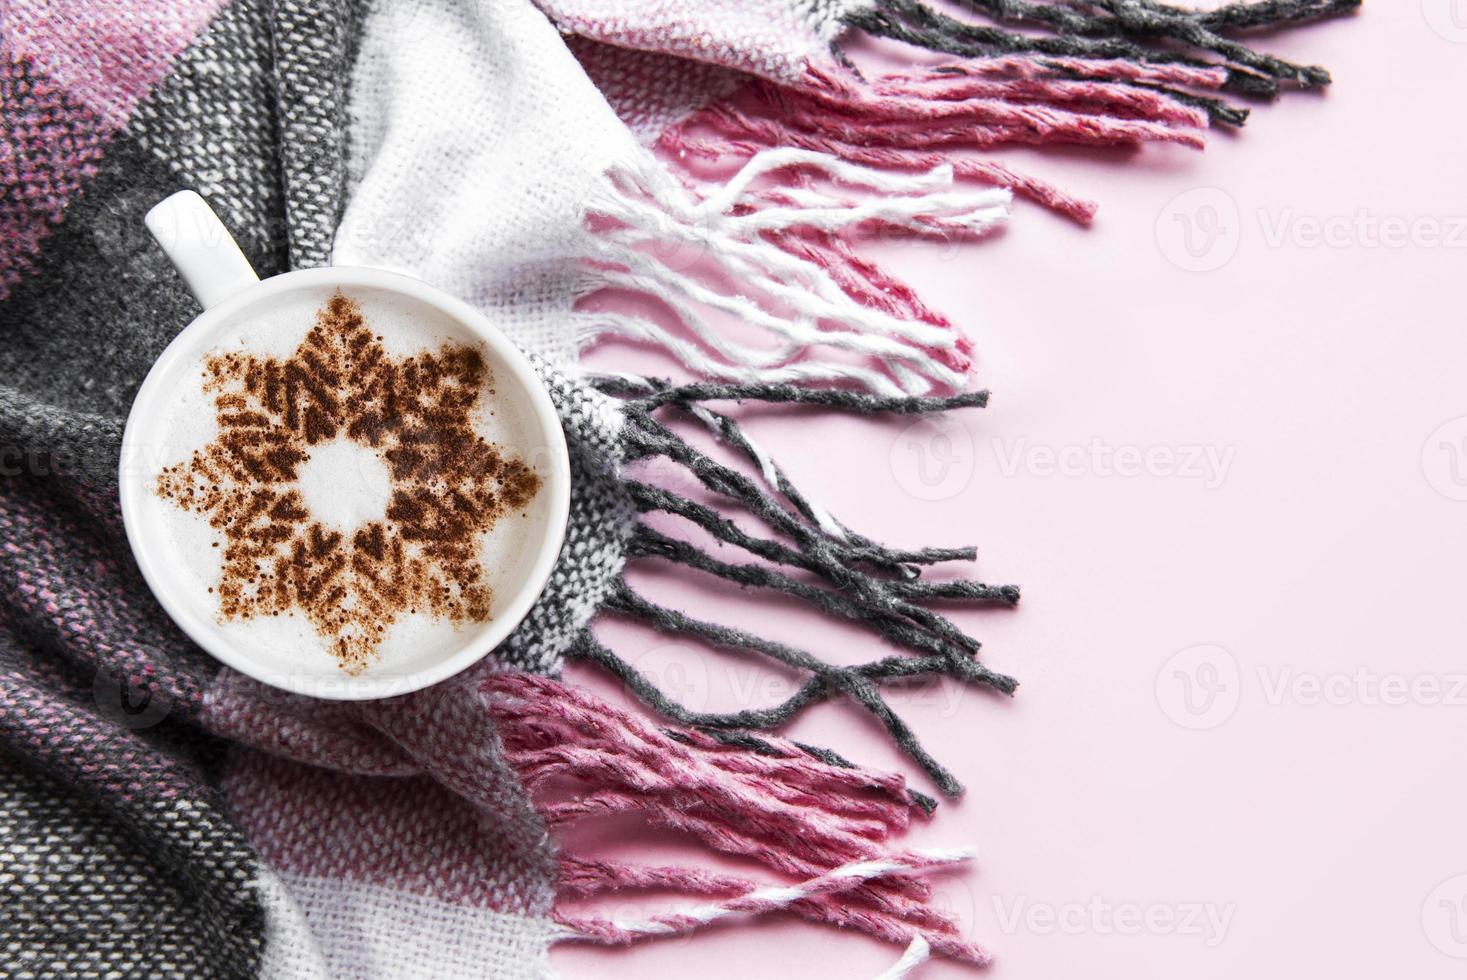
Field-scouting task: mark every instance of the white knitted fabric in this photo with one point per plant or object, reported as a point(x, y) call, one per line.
point(601, 519)
point(319, 928)
point(477, 141)
point(484, 160)
point(291, 951)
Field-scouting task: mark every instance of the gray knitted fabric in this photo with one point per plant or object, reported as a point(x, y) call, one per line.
point(116, 858)
point(82, 898)
point(602, 516)
point(117, 855)
point(311, 89)
point(214, 123)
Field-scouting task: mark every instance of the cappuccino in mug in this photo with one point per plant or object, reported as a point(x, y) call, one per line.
point(342, 478)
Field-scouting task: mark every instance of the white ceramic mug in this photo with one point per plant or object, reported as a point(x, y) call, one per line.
point(233, 297)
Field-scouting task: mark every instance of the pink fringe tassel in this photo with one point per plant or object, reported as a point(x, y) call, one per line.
point(909, 120)
point(825, 826)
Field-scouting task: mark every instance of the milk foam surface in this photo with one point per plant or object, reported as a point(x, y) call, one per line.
point(345, 480)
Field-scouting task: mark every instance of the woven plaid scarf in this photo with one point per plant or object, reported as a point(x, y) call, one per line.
point(162, 816)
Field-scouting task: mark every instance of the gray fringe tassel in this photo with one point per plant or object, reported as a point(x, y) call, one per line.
point(877, 587)
point(1132, 30)
point(752, 743)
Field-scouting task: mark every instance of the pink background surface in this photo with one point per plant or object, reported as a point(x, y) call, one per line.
point(1269, 782)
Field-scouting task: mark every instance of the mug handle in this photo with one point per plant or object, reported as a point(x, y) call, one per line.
point(200, 247)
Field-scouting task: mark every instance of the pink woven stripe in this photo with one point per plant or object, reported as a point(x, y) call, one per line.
point(50, 145)
point(773, 39)
point(107, 54)
point(408, 793)
point(405, 833)
point(20, 246)
point(916, 119)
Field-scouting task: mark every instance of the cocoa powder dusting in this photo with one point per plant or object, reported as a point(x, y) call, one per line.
point(448, 484)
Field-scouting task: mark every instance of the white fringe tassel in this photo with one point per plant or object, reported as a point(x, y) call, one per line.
point(918, 952)
point(773, 898)
point(790, 298)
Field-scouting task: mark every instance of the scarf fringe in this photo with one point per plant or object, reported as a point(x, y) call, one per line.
point(837, 152)
point(842, 155)
point(915, 119)
point(1106, 74)
point(1151, 34)
point(824, 826)
point(824, 158)
point(778, 241)
point(859, 580)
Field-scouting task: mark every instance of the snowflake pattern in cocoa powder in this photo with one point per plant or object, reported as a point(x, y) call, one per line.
point(448, 484)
